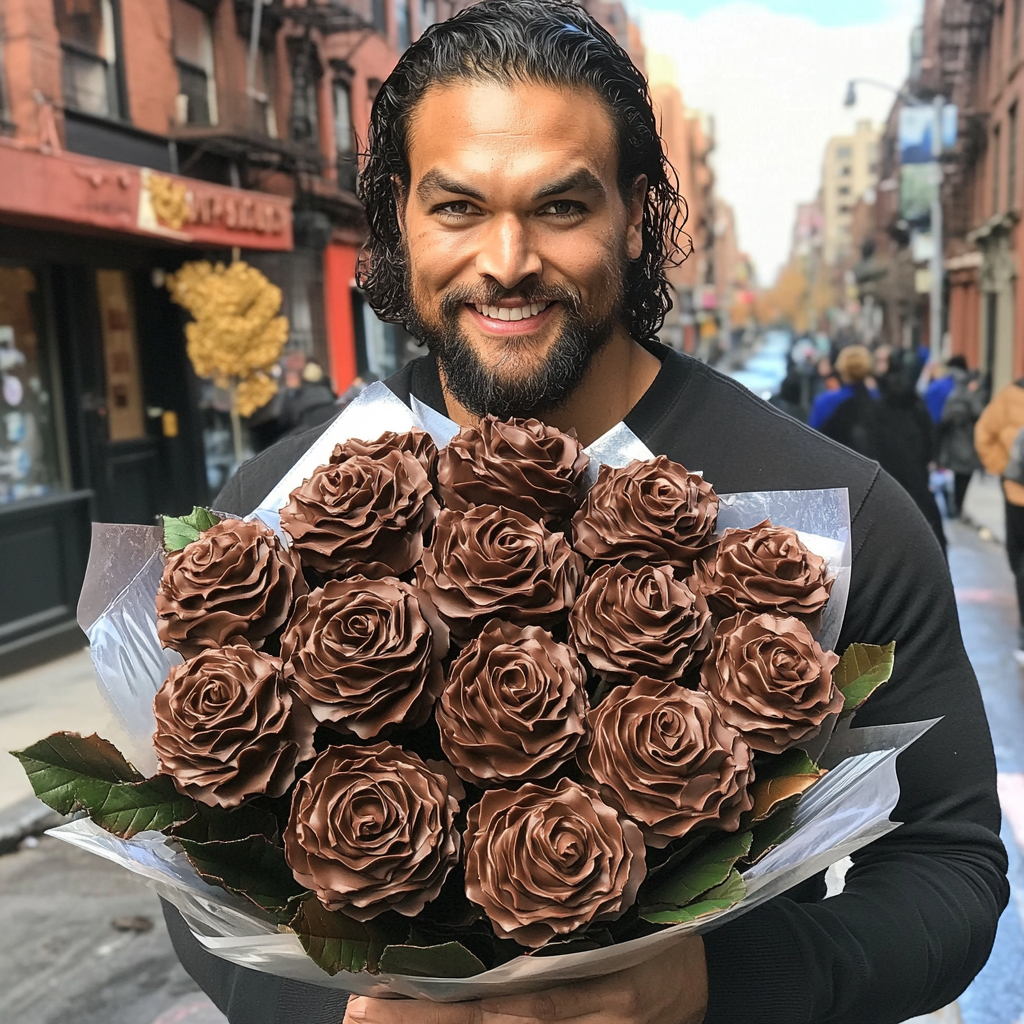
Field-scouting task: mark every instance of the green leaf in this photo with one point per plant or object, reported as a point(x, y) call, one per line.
point(336, 942)
point(252, 867)
point(449, 960)
point(180, 531)
point(216, 824)
point(73, 773)
point(710, 866)
point(722, 897)
point(861, 670)
point(769, 833)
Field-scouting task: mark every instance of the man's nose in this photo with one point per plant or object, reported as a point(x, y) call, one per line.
point(507, 252)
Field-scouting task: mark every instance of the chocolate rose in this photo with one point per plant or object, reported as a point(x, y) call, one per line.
point(236, 583)
point(372, 829)
point(228, 727)
point(665, 756)
point(648, 511)
point(519, 464)
point(417, 443)
point(495, 563)
point(365, 515)
point(513, 706)
point(545, 862)
point(366, 654)
point(771, 680)
point(631, 624)
point(766, 568)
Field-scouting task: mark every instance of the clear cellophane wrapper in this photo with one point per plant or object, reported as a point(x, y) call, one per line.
point(847, 809)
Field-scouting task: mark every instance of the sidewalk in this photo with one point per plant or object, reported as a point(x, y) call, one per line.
point(984, 505)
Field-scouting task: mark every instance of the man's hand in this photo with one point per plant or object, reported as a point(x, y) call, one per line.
point(670, 989)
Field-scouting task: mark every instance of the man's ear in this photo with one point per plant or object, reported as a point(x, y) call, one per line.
point(635, 218)
point(400, 194)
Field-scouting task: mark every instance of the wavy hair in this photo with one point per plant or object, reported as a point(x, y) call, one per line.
point(553, 42)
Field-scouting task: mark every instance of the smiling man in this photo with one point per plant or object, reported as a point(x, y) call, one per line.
point(522, 217)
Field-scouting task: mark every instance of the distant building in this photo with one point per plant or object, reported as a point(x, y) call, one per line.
point(849, 170)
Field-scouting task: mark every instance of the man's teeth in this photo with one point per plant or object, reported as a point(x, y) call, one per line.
point(515, 313)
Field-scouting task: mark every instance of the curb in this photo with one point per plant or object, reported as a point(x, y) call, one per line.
point(27, 817)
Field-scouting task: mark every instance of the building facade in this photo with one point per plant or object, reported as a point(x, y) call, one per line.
point(136, 135)
point(849, 170)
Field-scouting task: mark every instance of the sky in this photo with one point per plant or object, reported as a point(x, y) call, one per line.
point(773, 74)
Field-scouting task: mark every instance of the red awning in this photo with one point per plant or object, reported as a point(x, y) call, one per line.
point(54, 189)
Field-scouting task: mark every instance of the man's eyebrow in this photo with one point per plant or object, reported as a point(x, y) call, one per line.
point(581, 180)
point(437, 181)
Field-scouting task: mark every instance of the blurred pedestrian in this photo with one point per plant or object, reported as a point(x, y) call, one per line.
point(790, 396)
point(888, 423)
point(854, 366)
point(999, 439)
point(960, 411)
point(311, 403)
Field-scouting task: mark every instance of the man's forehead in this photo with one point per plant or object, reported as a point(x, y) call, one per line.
point(531, 128)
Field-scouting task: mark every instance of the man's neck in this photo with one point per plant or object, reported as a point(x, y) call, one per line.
point(615, 381)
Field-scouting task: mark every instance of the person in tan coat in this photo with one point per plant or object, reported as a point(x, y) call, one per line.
point(994, 434)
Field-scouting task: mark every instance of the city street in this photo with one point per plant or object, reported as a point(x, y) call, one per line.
point(85, 944)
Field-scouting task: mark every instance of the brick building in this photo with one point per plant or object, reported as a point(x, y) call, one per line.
point(135, 135)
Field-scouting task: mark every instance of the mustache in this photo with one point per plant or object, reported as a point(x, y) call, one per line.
point(461, 295)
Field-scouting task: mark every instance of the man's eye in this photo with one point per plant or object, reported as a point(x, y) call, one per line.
point(562, 208)
point(459, 208)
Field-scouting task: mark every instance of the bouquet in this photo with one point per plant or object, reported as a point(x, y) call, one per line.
point(460, 712)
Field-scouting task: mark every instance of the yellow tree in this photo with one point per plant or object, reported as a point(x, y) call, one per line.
point(236, 334)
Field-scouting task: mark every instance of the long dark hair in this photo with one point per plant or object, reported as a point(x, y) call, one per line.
point(548, 41)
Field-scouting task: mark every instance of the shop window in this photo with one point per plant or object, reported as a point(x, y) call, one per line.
point(126, 415)
point(344, 141)
point(30, 465)
point(193, 54)
point(88, 42)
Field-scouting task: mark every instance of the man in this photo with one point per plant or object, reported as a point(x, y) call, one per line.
point(522, 217)
point(994, 435)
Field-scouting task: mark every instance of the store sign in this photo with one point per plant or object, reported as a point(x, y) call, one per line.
point(203, 212)
point(64, 188)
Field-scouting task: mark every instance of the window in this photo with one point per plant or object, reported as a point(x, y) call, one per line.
point(1016, 28)
point(304, 119)
point(5, 110)
point(844, 190)
point(193, 54)
point(264, 87)
point(845, 171)
point(844, 153)
point(344, 142)
point(379, 16)
point(428, 13)
point(88, 42)
point(1011, 159)
point(402, 24)
point(996, 158)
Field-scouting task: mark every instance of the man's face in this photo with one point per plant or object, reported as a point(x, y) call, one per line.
point(517, 239)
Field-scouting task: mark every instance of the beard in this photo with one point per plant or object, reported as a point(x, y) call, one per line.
point(514, 387)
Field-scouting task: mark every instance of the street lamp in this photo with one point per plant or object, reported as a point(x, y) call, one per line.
point(938, 104)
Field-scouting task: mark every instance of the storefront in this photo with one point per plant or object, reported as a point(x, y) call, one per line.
point(101, 418)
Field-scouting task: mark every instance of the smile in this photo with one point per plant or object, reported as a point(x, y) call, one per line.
point(511, 314)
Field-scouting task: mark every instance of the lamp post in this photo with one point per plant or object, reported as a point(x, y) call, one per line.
point(937, 263)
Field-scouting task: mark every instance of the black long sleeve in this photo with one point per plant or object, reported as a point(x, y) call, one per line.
point(918, 915)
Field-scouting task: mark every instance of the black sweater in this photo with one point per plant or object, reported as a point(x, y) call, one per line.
point(917, 918)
